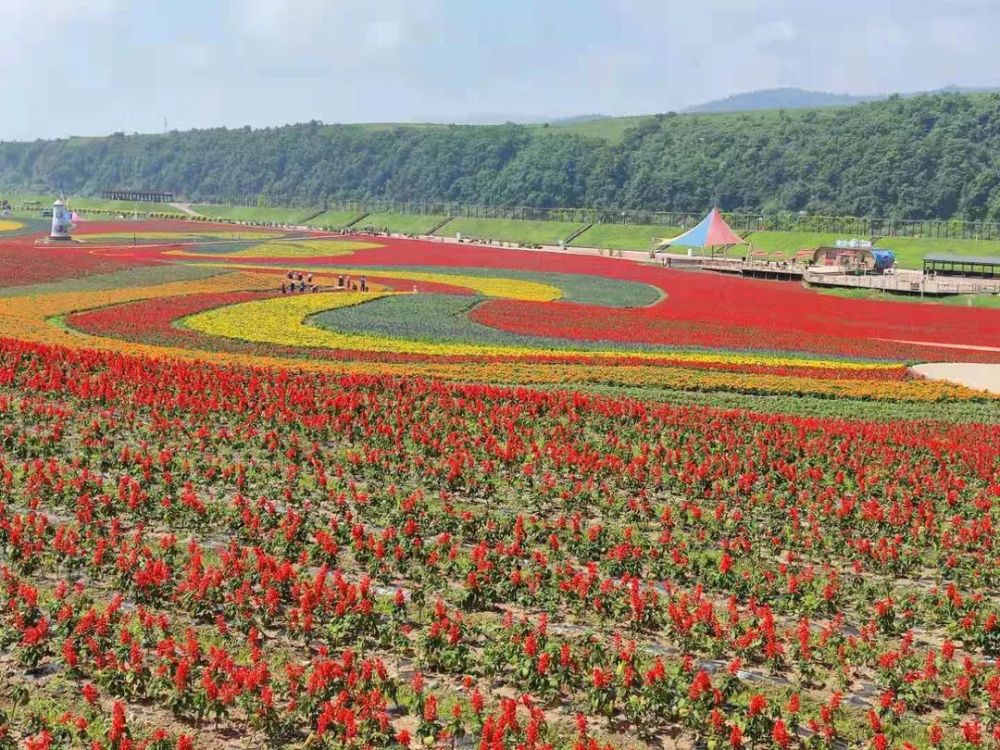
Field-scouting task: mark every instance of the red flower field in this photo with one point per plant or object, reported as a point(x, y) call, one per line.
point(220, 541)
point(726, 311)
point(703, 309)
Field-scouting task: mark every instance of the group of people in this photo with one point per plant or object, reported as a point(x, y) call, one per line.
point(302, 282)
point(5, 207)
point(500, 243)
point(298, 282)
point(344, 282)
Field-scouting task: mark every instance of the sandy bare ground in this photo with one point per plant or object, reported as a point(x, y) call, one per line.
point(979, 376)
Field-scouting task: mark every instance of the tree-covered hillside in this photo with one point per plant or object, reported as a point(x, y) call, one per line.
point(922, 157)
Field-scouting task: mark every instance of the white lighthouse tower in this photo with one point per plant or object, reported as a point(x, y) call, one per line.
point(61, 221)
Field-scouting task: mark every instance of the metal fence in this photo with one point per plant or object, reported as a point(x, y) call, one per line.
point(743, 222)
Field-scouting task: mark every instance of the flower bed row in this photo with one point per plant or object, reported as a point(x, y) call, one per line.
point(329, 560)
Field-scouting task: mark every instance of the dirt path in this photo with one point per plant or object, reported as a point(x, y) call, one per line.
point(979, 376)
point(939, 345)
point(186, 208)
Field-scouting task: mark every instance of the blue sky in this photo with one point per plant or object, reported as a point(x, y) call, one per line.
point(87, 67)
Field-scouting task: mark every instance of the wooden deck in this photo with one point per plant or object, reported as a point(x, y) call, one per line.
point(757, 268)
point(898, 281)
point(904, 282)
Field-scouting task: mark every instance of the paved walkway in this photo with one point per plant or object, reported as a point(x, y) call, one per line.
point(979, 376)
point(633, 255)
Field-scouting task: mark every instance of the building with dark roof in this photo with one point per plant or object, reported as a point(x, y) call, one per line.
point(970, 266)
point(858, 258)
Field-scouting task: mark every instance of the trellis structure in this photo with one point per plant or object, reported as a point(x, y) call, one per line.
point(137, 196)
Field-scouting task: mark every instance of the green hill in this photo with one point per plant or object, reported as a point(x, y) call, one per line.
point(921, 157)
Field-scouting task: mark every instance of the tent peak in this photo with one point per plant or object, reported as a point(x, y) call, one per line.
point(712, 231)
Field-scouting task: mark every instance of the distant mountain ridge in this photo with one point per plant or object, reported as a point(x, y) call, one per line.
point(785, 97)
point(796, 98)
point(780, 98)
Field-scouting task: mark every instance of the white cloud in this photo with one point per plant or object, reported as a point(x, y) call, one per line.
point(384, 34)
point(947, 31)
point(272, 18)
point(54, 8)
point(27, 24)
point(125, 64)
point(774, 32)
point(893, 35)
point(191, 56)
point(343, 24)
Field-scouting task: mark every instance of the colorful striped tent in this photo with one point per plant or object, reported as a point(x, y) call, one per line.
point(712, 231)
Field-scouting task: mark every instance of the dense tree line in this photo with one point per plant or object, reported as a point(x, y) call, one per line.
point(922, 157)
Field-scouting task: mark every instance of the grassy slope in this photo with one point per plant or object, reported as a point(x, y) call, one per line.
point(253, 213)
point(627, 237)
point(334, 219)
point(910, 252)
point(402, 223)
point(81, 204)
point(511, 230)
point(613, 128)
point(791, 242)
point(380, 127)
point(609, 129)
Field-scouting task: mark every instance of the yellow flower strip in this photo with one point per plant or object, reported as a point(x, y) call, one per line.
point(302, 249)
point(519, 289)
point(678, 378)
point(26, 318)
point(282, 321)
point(528, 291)
point(9, 226)
point(495, 290)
